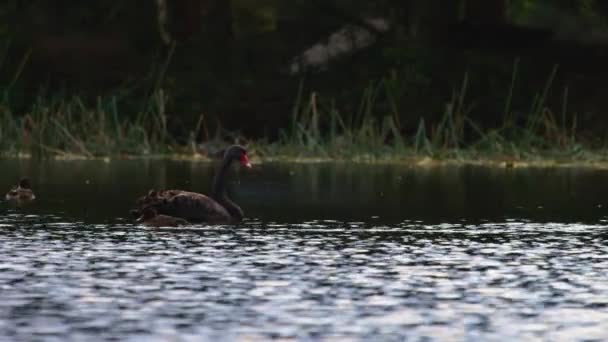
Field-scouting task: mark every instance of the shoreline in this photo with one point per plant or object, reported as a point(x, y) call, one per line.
point(591, 161)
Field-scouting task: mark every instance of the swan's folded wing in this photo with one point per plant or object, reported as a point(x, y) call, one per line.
point(196, 207)
point(154, 196)
point(191, 206)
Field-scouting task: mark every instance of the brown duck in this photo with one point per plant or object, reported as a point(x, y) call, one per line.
point(216, 208)
point(22, 193)
point(151, 218)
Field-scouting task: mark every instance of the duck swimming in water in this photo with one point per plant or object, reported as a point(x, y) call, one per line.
point(216, 208)
point(151, 218)
point(22, 193)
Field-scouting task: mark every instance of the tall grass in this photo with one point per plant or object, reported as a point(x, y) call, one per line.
point(318, 128)
point(72, 129)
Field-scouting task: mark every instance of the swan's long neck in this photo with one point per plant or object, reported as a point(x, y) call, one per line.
point(218, 191)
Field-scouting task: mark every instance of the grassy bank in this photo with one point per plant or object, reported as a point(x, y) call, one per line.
point(70, 128)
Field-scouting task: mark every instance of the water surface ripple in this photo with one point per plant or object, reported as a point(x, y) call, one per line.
point(512, 280)
point(330, 251)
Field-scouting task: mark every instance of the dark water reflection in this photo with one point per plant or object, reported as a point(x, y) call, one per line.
point(96, 191)
point(329, 251)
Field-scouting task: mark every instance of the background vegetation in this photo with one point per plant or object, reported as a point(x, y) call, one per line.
point(391, 77)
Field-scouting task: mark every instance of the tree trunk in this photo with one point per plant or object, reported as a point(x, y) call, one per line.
point(219, 21)
point(187, 18)
point(486, 11)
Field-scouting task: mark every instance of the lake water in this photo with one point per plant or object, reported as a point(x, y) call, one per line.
point(328, 251)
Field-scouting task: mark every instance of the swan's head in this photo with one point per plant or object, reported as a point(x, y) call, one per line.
point(238, 153)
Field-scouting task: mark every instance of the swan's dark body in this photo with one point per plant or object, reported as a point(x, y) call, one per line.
point(216, 208)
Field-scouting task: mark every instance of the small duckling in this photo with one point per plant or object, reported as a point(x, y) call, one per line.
point(151, 218)
point(22, 193)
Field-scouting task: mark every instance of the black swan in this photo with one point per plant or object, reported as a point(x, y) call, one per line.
point(194, 207)
point(151, 218)
point(22, 193)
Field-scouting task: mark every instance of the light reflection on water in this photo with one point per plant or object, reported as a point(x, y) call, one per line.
point(429, 257)
point(506, 280)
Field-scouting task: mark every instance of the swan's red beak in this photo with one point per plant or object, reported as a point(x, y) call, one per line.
point(245, 161)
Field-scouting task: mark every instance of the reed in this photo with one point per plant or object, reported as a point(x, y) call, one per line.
point(317, 127)
point(71, 128)
point(375, 132)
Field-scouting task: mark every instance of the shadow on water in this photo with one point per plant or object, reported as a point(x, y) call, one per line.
point(328, 251)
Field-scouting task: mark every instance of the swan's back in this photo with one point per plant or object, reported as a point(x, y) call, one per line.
point(191, 206)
